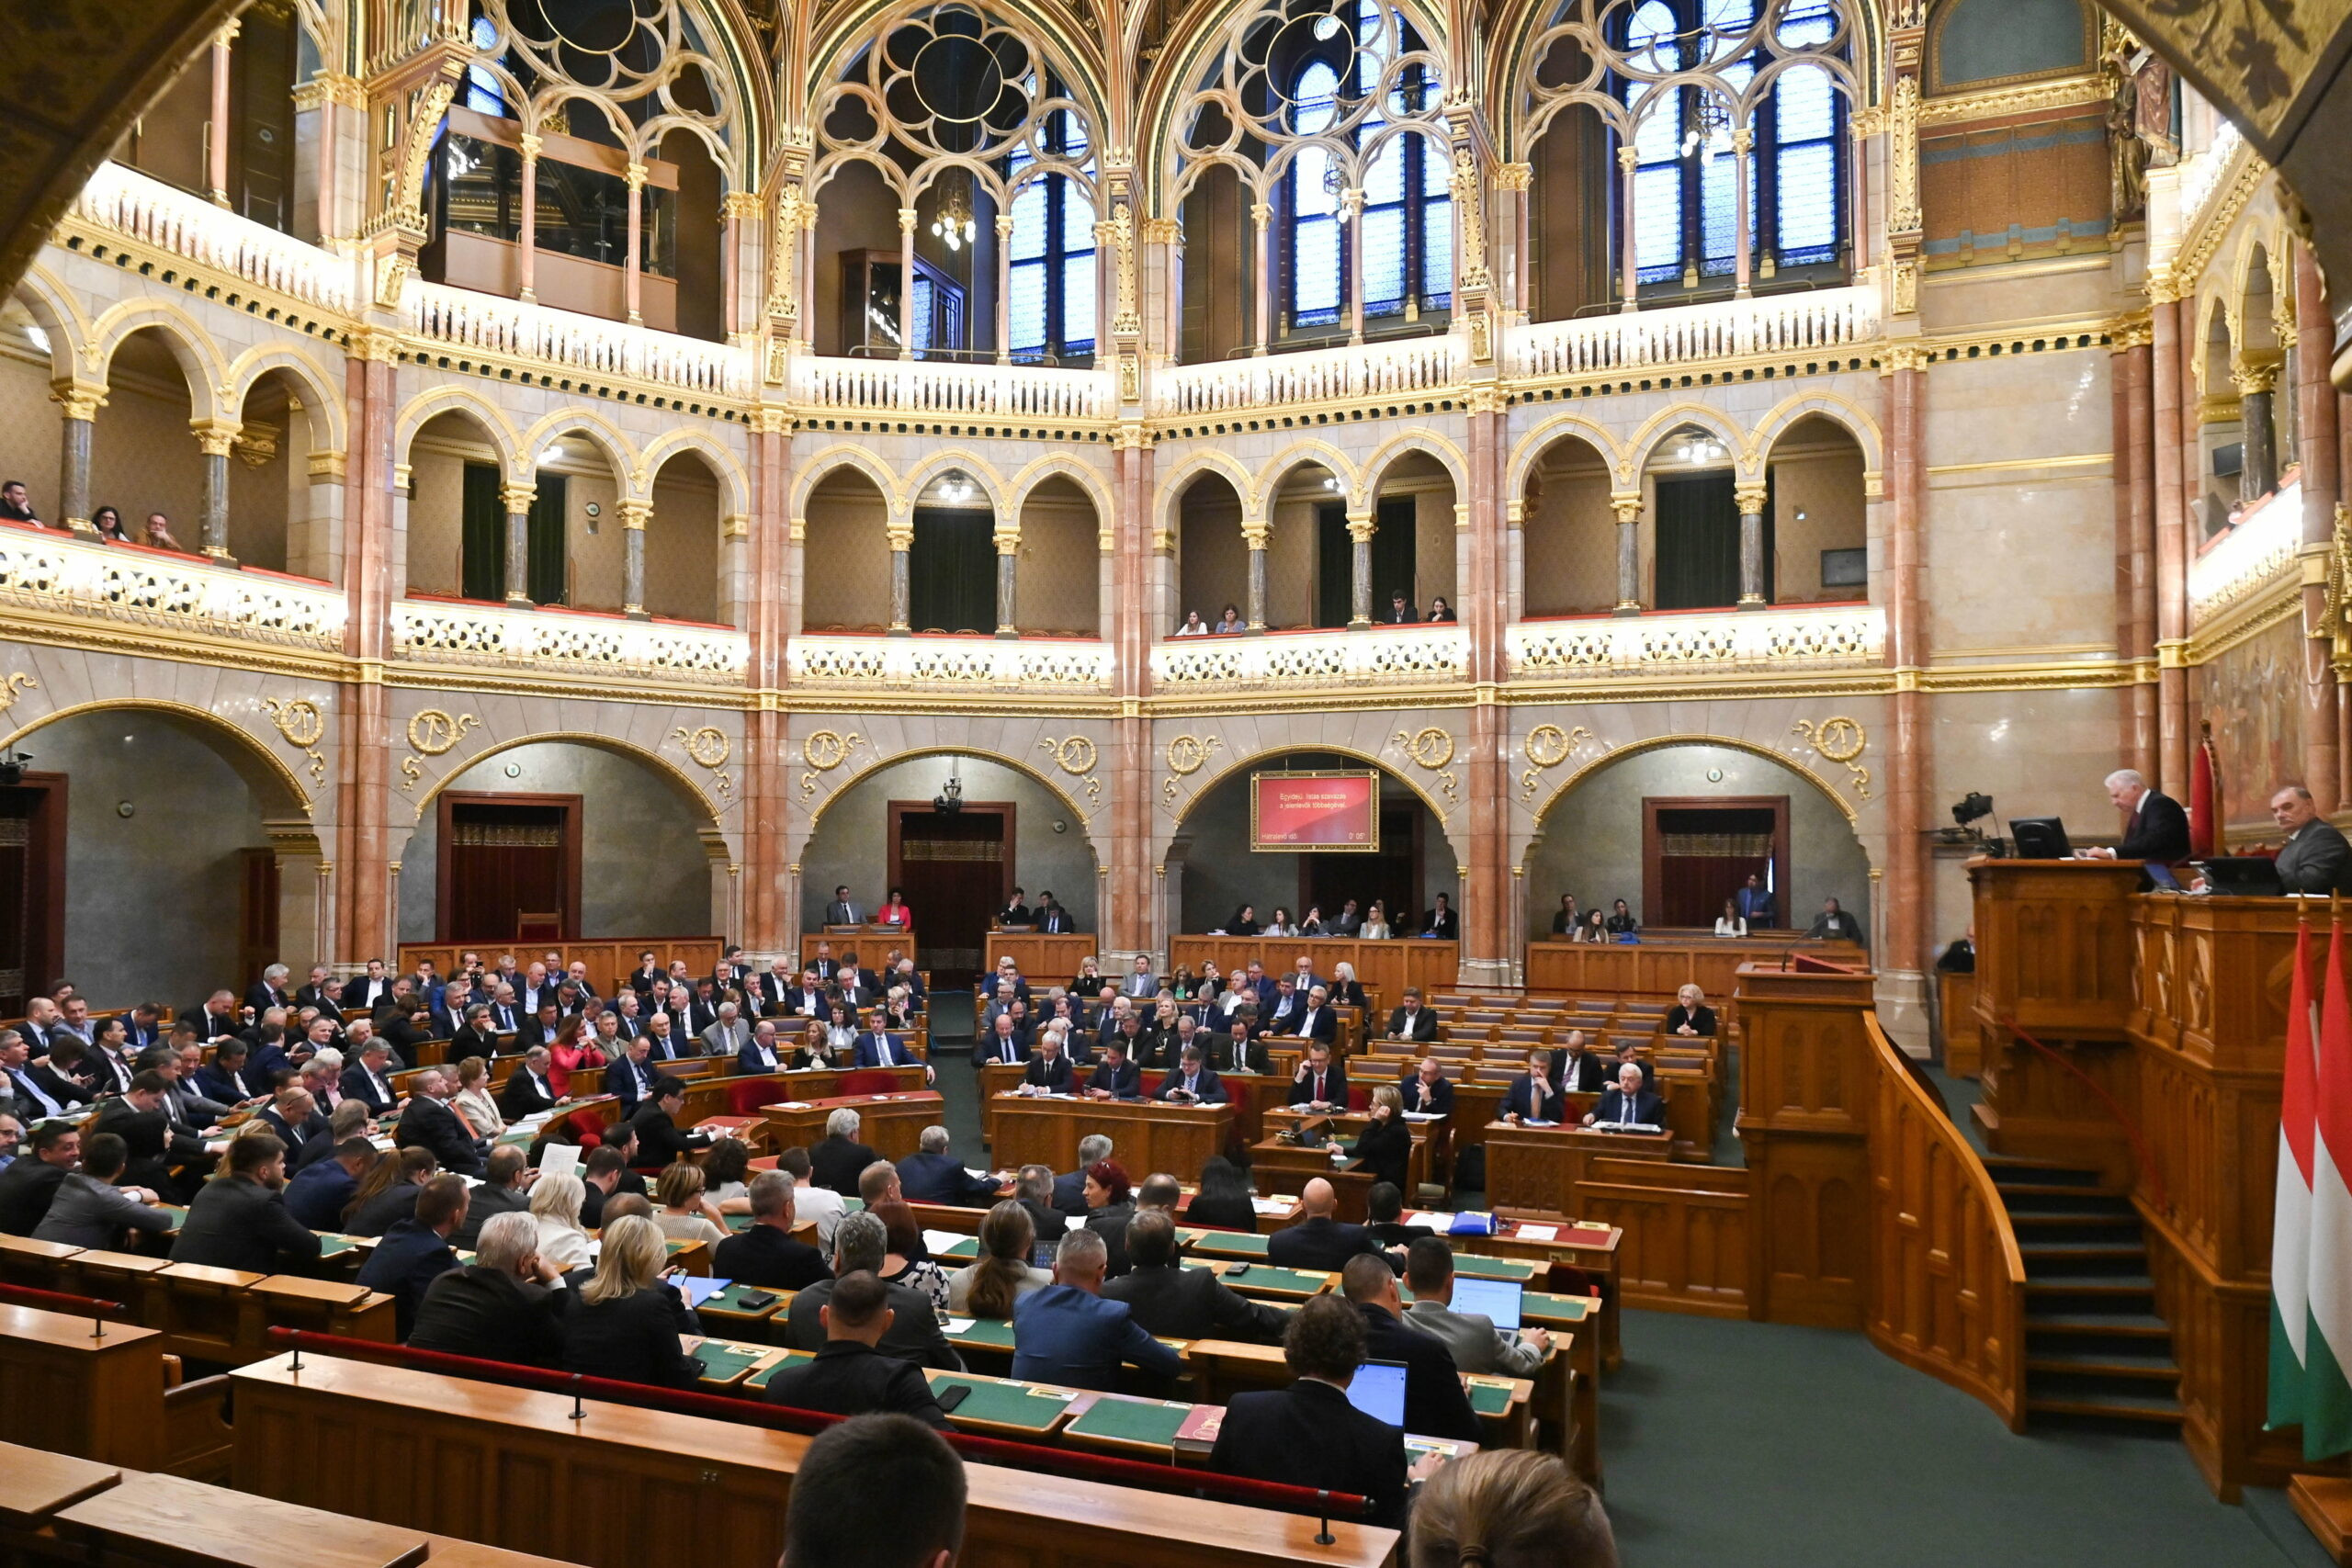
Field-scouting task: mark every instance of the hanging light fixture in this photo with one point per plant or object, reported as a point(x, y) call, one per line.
point(954, 225)
point(1711, 132)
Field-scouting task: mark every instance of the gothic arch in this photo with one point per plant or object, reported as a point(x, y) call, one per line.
point(1838, 410)
point(728, 468)
point(1532, 446)
point(1667, 421)
point(199, 362)
point(250, 749)
point(326, 401)
point(505, 439)
point(821, 465)
point(1584, 771)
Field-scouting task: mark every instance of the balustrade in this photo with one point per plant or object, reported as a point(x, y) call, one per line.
point(1413, 367)
point(955, 664)
point(1689, 334)
point(1379, 655)
point(963, 391)
point(440, 632)
point(57, 573)
point(126, 202)
point(1827, 634)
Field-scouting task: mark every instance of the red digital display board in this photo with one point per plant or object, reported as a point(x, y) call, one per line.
point(1320, 811)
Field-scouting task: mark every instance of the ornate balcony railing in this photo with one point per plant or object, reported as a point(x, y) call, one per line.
point(1413, 367)
point(1376, 656)
point(2200, 173)
point(563, 642)
point(1684, 334)
point(492, 324)
point(1714, 640)
point(948, 390)
point(935, 664)
point(145, 208)
point(2258, 551)
point(127, 584)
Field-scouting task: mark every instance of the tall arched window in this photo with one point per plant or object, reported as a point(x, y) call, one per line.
point(1051, 312)
point(1407, 211)
point(1684, 200)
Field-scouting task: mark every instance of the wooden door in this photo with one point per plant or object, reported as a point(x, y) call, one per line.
point(1697, 851)
point(504, 856)
point(956, 872)
point(256, 912)
point(32, 888)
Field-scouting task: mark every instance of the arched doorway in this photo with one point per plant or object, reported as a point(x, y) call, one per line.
point(1674, 829)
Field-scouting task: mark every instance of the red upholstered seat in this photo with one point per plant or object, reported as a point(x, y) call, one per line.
point(1358, 1096)
point(877, 1081)
point(746, 1098)
point(587, 1129)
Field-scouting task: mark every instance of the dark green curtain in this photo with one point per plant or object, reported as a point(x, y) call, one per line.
point(482, 539)
point(951, 571)
point(1394, 555)
point(1698, 543)
point(1334, 565)
point(548, 542)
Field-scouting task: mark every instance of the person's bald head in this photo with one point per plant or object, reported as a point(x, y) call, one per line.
point(1317, 1201)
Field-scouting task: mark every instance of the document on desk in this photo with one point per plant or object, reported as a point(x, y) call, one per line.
point(938, 1242)
point(955, 1326)
point(1537, 1232)
point(1424, 1116)
point(699, 1289)
point(559, 1159)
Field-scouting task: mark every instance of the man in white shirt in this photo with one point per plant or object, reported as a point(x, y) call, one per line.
point(821, 1205)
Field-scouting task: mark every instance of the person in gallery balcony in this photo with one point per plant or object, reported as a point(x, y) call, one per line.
point(15, 504)
point(1375, 924)
point(1622, 922)
point(108, 523)
point(1231, 621)
point(1193, 625)
point(1439, 610)
point(1400, 611)
point(1731, 922)
point(159, 534)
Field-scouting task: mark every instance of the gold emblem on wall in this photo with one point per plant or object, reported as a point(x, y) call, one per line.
point(708, 748)
point(1076, 755)
point(10, 687)
point(1547, 747)
point(304, 725)
point(431, 733)
point(1431, 749)
point(1839, 740)
point(823, 752)
point(1187, 755)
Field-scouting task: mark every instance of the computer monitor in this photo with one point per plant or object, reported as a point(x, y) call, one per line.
point(2040, 838)
point(2242, 876)
point(1495, 1299)
point(1378, 1389)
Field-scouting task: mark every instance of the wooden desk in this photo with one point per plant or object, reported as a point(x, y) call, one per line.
point(96, 1399)
point(1429, 1137)
point(717, 1095)
point(524, 1456)
point(1658, 967)
point(1223, 1368)
point(1539, 1167)
point(174, 1523)
point(995, 1078)
point(1043, 961)
point(1145, 1136)
point(35, 1483)
point(871, 944)
point(1382, 968)
point(890, 1124)
point(609, 959)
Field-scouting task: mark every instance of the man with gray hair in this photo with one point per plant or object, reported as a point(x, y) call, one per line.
point(1068, 1335)
point(2315, 857)
point(1069, 1188)
point(1033, 1188)
point(933, 1176)
point(2155, 825)
point(838, 1159)
point(508, 1304)
point(766, 1255)
point(728, 1036)
point(270, 990)
point(859, 1243)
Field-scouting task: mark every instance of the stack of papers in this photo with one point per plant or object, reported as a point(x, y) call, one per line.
point(1436, 1220)
point(1272, 1205)
point(1538, 1233)
point(940, 1241)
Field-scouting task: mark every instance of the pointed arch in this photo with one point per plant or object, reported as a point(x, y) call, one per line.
point(1215, 774)
point(326, 401)
point(1584, 771)
point(939, 462)
point(653, 760)
point(1006, 758)
point(199, 362)
point(619, 451)
point(1532, 445)
point(1067, 466)
point(505, 439)
point(1664, 422)
point(1418, 439)
point(252, 755)
point(733, 482)
point(1313, 449)
point(52, 307)
point(832, 459)
point(1841, 412)
point(1208, 460)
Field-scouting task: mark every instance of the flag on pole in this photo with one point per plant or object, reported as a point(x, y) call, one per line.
point(2291, 1232)
point(2328, 1342)
point(2205, 803)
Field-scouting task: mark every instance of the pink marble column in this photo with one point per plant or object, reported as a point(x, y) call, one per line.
point(2172, 550)
point(363, 921)
point(2135, 547)
point(1910, 763)
point(768, 909)
point(1489, 945)
point(1127, 919)
point(2319, 444)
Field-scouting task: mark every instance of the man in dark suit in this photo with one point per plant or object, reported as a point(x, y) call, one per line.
point(1439, 923)
point(1069, 1188)
point(932, 1175)
point(293, 1118)
point(760, 1053)
point(1016, 911)
point(500, 1306)
point(1757, 904)
point(365, 1080)
point(1318, 1020)
point(2156, 826)
point(1574, 1069)
point(44, 1160)
point(1067, 1334)
point(1834, 924)
point(1412, 1022)
point(1116, 1076)
point(1435, 1403)
point(539, 1027)
point(765, 1255)
point(37, 1088)
point(838, 1160)
point(855, 984)
point(1172, 1302)
point(658, 1143)
point(528, 1090)
point(1427, 1089)
point(771, 991)
point(877, 1047)
point(1048, 1070)
point(1317, 1241)
point(1532, 1095)
point(1318, 1081)
point(851, 1376)
point(1289, 1005)
point(427, 1122)
point(1192, 1082)
point(859, 1246)
point(505, 1189)
point(416, 1250)
point(1307, 1434)
point(1240, 1048)
point(224, 1079)
point(319, 991)
point(1051, 917)
point(155, 1147)
point(844, 909)
point(369, 989)
point(239, 1220)
point(648, 970)
point(2315, 858)
point(270, 990)
point(631, 1079)
point(218, 1017)
point(1628, 1103)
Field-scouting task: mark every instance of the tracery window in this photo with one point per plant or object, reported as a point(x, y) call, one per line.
point(1051, 312)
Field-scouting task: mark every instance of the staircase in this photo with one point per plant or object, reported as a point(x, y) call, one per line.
point(2096, 1350)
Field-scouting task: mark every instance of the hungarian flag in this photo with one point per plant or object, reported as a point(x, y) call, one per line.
point(2291, 1232)
point(2311, 1259)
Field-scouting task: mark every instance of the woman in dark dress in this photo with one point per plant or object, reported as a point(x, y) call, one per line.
point(627, 1321)
point(1564, 924)
point(1386, 1146)
point(1691, 1017)
point(1223, 1201)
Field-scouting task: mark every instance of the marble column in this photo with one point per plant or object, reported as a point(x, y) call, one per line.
point(518, 499)
point(1351, 218)
point(357, 881)
point(763, 778)
point(1128, 925)
point(2319, 446)
point(1257, 533)
point(1008, 580)
point(216, 161)
point(80, 406)
point(1629, 553)
point(905, 283)
point(1742, 246)
point(1262, 216)
point(526, 245)
point(1628, 159)
point(2256, 381)
point(633, 272)
point(217, 439)
point(901, 539)
point(1491, 940)
point(635, 515)
point(2172, 543)
point(1909, 763)
point(2136, 548)
point(1360, 527)
point(1004, 288)
point(1751, 498)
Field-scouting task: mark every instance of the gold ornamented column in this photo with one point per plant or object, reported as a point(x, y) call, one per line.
point(1628, 508)
point(901, 539)
point(80, 403)
point(1360, 527)
point(635, 515)
point(1007, 540)
point(1128, 923)
point(518, 499)
point(766, 609)
point(2172, 535)
point(1750, 496)
point(217, 438)
point(365, 920)
point(527, 247)
point(1904, 960)
point(1257, 533)
point(2318, 446)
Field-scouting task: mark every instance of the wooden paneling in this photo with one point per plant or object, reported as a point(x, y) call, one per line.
point(1660, 968)
point(1385, 968)
point(96, 1399)
point(1956, 1013)
point(1044, 960)
point(1804, 1111)
point(1145, 1136)
point(1686, 1243)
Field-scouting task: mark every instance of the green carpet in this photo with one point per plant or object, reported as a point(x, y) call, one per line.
point(1736, 1442)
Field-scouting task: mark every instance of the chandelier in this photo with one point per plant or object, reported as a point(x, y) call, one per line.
point(1710, 132)
point(953, 224)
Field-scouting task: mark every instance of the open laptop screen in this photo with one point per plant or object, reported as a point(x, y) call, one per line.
point(1495, 1299)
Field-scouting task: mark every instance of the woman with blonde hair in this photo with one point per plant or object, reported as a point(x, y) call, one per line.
point(816, 1047)
point(1004, 1273)
point(627, 1321)
point(1510, 1509)
point(1385, 1147)
point(556, 1198)
point(473, 1102)
point(686, 1215)
point(1375, 924)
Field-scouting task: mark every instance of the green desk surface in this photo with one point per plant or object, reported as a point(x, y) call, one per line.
point(1016, 1404)
point(1263, 1279)
point(329, 1246)
point(759, 1379)
point(723, 1362)
point(1544, 1309)
point(739, 1223)
point(964, 1251)
point(179, 1217)
point(986, 1334)
point(1151, 1422)
point(728, 1303)
point(1229, 1244)
point(1479, 1267)
point(1489, 1399)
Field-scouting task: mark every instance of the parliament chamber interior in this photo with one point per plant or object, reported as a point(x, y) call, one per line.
point(1532, 784)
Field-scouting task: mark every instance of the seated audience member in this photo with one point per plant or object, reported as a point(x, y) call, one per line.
point(1574, 1069)
point(1385, 1147)
point(905, 1259)
point(931, 1175)
point(1110, 1205)
point(1067, 1334)
point(1318, 1082)
point(1172, 1302)
point(2315, 858)
point(1116, 1076)
point(868, 1470)
point(1005, 1274)
point(1317, 1241)
point(686, 1213)
point(726, 1175)
point(849, 1377)
point(1691, 1017)
point(1033, 1188)
point(1412, 1022)
point(388, 1193)
point(506, 1189)
point(1532, 1096)
point(861, 1243)
point(31, 1181)
point(1241, 1048)
point(224, 1079)
point(556, 1198)
point(428, 1121)
point(1510, 1509)
point(528, 1089)
point(655, 1123)
point(1731, 922)
point(1834, 924)
point(156, 1147)
point(324, 1188)
point(1192, 1082)
point(838, 1159)
point(365, 1077)
point(1475, 1344)
point(90, 1211)
point(1069, 1188)
point(764, 1254)
point(1427, 1093)
point(473, 1102)
point(1435, 1403)
point(1384, 1208)
point(1307, 1434)
point(1621, 921)
point(761, 1054)
point(627, 1323)
point(1628, 1103)
point(239, 1218)
point(416, 1251)
point(631, 1079)
point(1224, 1200)
point(1440, 922)
point(508, 1304)
point(821, 1206)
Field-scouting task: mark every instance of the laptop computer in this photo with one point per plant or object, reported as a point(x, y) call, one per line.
point(1495, 1299)
point(2243, 876)
point(1378, 1389)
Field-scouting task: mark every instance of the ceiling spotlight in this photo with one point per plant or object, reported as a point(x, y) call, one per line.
point(37, 337)
point(955, 486)
point(552, 455)
point(1331, 482)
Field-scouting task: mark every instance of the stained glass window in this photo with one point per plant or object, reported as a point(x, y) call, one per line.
point(1050, 300)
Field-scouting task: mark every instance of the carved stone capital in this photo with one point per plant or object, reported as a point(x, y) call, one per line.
point(635, 514)
point(518, 498)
